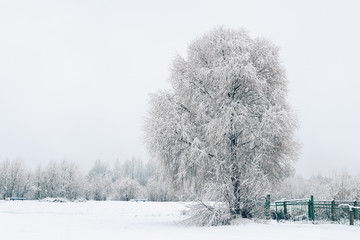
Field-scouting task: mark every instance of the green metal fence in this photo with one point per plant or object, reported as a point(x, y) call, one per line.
point(343, 212)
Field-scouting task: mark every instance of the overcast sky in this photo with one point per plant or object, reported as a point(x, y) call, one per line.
point(75, 75)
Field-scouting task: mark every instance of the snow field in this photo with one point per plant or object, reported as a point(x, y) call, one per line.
point(138, 220)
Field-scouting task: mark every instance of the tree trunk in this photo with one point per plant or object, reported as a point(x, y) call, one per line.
point(235, 207)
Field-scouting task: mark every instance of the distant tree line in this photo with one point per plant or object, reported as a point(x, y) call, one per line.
point(124, 181)
point(340, 186)
point(136, 179)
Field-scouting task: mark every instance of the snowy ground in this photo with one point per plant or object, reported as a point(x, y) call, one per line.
point(138, 220)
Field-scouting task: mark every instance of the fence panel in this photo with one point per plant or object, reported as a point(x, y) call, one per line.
point(293, 210)
point(342, 212)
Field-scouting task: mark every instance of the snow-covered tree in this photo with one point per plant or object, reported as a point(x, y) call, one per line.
point(99, 182)
point(4, 178)
point(116, 172)
point(224, 130)
point(125, 189)
point(62, 180)
point(344, 186)
point(71, 180)
point(296, 187)
point(38, 183)
point(99, 188)
point(99, 168)
point(150, 170)
point(159, 190)
point(14, 179)
point(51, 180)
point(134, 169)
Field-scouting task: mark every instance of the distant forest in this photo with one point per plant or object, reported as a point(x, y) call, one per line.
point(124, 181)
point(136, 179)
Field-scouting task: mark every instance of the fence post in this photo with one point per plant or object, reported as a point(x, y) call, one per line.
point(311, 209)
point(285, 210)
point(356, 211)
point(267, 206)
point(333, 210)
point(351, 216)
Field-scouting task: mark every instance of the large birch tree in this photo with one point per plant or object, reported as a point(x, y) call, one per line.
point(224, 131)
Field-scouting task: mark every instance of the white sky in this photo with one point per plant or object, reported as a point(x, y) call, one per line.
point(75, 75)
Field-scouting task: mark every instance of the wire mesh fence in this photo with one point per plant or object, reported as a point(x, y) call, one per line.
point(305, 210)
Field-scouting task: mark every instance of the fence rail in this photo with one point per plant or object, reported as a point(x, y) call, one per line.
point(344, 212)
